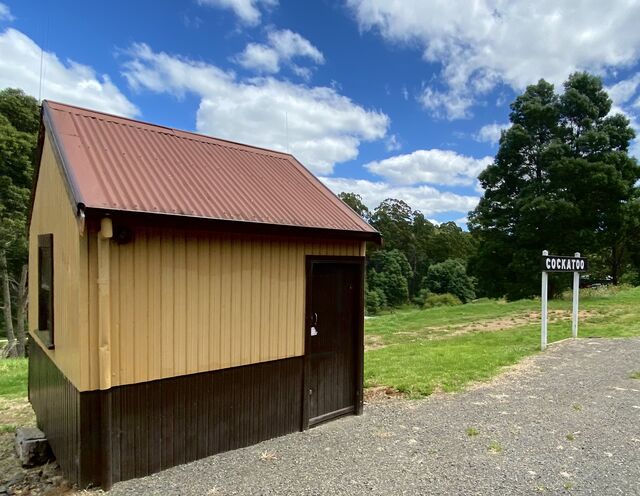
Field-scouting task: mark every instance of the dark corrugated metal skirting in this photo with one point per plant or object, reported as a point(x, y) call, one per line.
point(160, 424)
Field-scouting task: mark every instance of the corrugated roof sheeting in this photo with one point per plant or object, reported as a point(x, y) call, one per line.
point(122, 164)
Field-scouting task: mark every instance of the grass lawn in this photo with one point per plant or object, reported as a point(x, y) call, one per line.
point(445, 348)
point(13, 378)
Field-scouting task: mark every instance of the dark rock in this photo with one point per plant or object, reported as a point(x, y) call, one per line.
point(32, 447)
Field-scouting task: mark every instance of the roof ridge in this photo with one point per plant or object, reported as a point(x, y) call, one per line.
point(172, 130)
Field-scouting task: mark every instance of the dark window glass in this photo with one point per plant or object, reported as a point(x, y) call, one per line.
point(45, 288)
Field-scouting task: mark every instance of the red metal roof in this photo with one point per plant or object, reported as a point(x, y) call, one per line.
point(116, 163)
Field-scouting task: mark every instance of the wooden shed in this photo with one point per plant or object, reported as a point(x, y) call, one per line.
point(188, 295)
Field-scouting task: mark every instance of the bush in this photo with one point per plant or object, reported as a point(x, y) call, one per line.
point(441, 300)
point(374, 301)
point(389, 273)
point(450, 276)
point(630, 277)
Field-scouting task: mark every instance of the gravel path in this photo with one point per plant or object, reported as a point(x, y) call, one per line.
point(565, 421)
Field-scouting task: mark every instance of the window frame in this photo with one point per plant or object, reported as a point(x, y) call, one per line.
point(46, 331)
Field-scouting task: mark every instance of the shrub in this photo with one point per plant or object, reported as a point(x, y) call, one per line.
point(420, 297)
point(389, 272)
point(374, 301)
point(630, 277)
point(450, 276)
point(441, 300)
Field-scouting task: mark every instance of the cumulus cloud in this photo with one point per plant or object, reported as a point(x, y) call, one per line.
point(282, 46)
point(429, 200)
point(512, 43)
point(5, 13)
point(247, 10)
point(490, 133)
point(65, 81)
point(434, 166)
point(316, 124)
point(623, 91)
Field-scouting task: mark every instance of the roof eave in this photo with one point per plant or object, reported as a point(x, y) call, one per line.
point(46, 124)
point(159, 219)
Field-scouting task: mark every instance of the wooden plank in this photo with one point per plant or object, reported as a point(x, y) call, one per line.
point(244, 328)
point(215, 339)
point(125, 315)
point(274, 296)
point(265, 301)
point(116, 342)
point(256, 303)
point(204, 299)
point(192, 286)
point(180, 305)
point(154, 291)
point(140, 274)
point(225, 304)
point(235, 288)
point(167, 305)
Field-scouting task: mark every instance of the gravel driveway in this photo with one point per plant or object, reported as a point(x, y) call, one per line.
point(564, 421)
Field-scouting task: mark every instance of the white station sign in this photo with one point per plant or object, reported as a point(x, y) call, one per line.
point(556, 263)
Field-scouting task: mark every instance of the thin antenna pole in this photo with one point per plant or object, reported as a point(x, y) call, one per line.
point(286, 126)
point(42, 45)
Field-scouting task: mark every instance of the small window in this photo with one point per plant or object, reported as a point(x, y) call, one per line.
point(45, 288)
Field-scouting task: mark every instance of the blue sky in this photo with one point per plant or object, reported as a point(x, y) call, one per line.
point(401, 99)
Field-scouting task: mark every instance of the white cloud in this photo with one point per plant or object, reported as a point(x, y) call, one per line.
point(462, 222)
point(450, 105)
point(624, 95)
point(282, 47)
point(490, 133)
point(289, 44)
point(316, 124)
point(392, 143)
point(505, 42)
point(430, 201)
point(430, 166)
point(260, 58)
point(5, 13)
point(247, 10)
point(68, 82)
point(624, 90)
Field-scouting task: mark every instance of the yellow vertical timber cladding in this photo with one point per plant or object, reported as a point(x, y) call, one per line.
point(53, 212)
point(192, 302)
point(178, 303)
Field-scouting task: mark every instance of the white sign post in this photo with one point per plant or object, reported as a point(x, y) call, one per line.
point(553, 263)
point(576, 295)
point(545, 287)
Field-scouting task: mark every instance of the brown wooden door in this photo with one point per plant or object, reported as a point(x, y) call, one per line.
point(332, 335)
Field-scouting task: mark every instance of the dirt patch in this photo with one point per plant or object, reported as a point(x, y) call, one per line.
point(500, 324)
point(46, 480)
point(373, 342)
point(378, 394)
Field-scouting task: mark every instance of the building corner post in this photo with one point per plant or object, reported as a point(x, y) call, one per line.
point(104, 303)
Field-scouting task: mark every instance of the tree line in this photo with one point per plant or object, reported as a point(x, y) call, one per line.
point(19, 124)
point(562, 180)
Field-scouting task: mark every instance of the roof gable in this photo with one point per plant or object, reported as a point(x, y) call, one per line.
point(119, 164)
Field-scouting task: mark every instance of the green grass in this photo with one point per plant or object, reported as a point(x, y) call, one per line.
point(472, 432)
point(13, 378)
point(427, 350)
